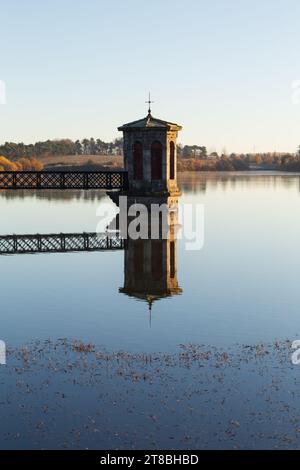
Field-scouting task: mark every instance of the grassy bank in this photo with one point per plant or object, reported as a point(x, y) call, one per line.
point(105, 161)
point(116, 162)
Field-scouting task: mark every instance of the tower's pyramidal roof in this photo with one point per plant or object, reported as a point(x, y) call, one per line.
point(150, 122)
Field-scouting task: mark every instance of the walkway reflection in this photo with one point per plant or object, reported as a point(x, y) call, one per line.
point(150, 264)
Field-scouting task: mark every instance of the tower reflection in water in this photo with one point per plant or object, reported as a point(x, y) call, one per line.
point(150, 265)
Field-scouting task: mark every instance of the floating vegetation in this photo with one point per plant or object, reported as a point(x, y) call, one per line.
point(72, 394)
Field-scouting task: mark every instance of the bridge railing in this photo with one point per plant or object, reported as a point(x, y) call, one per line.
point(60, 243)
point(63, 180)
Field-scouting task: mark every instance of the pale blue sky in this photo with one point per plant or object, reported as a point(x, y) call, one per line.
point(222, 69)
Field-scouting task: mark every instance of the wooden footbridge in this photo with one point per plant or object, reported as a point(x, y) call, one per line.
point(63, 180)
point(60, 243)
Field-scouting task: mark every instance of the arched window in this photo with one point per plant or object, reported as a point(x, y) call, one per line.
point(172, 260)
point(138, 259)
point(137, 161)
point(156, 259)
point(172, 160)
point(156, 161)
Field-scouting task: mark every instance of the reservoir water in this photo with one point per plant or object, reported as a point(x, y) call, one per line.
point(241, 287)
point(208, 367)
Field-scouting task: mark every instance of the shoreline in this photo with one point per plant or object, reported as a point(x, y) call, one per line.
point(180, 172)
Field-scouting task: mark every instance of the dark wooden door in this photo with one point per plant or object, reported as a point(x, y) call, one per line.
point(172, 160)
point(138, 161)
point(157, 259)
point(172, 259)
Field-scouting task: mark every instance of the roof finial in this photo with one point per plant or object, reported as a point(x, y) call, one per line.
point(150, 311)
point(150, 300)
point(149, 103)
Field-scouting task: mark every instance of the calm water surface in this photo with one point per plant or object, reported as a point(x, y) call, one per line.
point(242, 287)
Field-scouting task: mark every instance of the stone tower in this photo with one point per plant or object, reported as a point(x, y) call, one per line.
point(150, 156)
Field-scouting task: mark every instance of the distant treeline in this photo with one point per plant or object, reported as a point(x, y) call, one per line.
point(90, 146)
point(221, 164)
point(190, 157)
point(240, 162)
point(192, 151)
point(291, 163)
